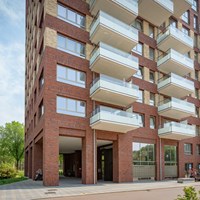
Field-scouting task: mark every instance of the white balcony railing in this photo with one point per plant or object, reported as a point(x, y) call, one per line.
point(176, 33)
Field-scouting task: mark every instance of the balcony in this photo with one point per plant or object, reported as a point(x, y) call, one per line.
point(124, 10)
point(181, 6)
point(175, 86)
point(158, 10)
point(113, 62)
point(176, 63)
point(176, 108)
point(175, 39)
point(109, 119)
point(110, 90)
point(113, 32)
point(176, 131)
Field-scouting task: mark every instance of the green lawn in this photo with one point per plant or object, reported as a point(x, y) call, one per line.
point(19, 177)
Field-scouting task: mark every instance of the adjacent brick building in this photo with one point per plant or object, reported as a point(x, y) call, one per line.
point(113, 87)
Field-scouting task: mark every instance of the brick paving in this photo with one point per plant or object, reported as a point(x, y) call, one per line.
point(28, 190)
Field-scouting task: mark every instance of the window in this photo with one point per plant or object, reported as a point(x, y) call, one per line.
point(152, 122)
point(41, 80)
point(196, 74)
point(186, 31)
point(195, 40)
point(188, 149)
point(143, 154)
point(173, 23)
point(141, 96)
point(138, 25)
point(152, 76)
point(138, 49)
point(151, 53)
point(195, 23)
point(194, 5)
point(41, 109)
point(185, 17)
point(141, 120)
point(70, 107)
point(151, 31)
point(170, 155)
point(198, 149)
point(197, 130)
point(71, 16)
point(197, 111)
point(71, 76)
point(196, 93)
point(71, 46)
point(139, 73)
point(152, 99)
point(196, 56)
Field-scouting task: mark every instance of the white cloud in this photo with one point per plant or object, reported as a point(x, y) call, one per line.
point(11, 82)
point(13, 10)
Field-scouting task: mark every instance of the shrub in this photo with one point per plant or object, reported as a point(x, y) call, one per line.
point(7, 171)
point(189, 194)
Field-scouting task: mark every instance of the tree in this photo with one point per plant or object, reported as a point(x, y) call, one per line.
point(13, 141)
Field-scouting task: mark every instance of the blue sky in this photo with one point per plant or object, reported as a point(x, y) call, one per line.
point(12, 64)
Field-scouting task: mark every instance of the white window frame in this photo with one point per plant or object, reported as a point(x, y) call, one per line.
point(70, 112)
point(77, 82)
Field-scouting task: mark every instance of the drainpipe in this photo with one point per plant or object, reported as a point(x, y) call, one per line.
point(94, 135)
point(160, 160)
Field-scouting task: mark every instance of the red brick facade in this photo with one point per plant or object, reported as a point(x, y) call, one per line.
point(42, 140)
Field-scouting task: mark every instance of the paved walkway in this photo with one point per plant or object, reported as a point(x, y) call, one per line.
point(27, 190)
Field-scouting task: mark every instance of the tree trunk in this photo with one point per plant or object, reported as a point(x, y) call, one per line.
point(17, 165)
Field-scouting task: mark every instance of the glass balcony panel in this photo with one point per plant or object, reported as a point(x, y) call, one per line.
point(113, 62)
point(175, 86)
point(175, 62)
point(176, 131)
point(176, 108)
point(175, 39)
point(155, 7)
point(128, 9)
point(109, 119)
point(121, 35)
point(114, 91)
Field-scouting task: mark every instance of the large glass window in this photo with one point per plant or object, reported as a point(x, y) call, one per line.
point(188, 149)
point(139, 73)
point(185, 17)
point(152, 76)
point(151, 31)
point(152, 99)
point(71, 46)
point(71, 16)
point(186, 31)
point(143, 154)
point(71, 76)
point(198, 149)
point(195, 22)
point(138, 49)
point(70, 106)
point(141, 120)
point(141, 96)
point(151, 53)
point(194, 5)
point(152, 122)
point(173, 22)
point(138, 24)
point(170, 155)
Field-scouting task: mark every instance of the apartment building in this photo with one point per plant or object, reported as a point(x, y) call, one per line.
point(112, 87)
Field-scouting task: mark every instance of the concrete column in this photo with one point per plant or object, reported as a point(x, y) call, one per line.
point(51, 155)
point(88, 158)
point(122, 159)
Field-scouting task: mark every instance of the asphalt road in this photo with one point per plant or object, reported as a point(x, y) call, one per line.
point(157, 194)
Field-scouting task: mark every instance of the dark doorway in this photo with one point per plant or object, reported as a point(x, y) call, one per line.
point(107, 164)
